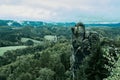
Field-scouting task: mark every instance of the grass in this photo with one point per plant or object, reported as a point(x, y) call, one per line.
point(36, 42)
point(4, 49)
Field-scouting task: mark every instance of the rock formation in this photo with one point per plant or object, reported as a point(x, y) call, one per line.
point(101, 54)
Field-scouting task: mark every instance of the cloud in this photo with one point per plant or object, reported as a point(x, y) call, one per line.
point(25, 12)
point(60, 10)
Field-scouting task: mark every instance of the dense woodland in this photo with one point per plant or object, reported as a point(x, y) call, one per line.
point(51, 60)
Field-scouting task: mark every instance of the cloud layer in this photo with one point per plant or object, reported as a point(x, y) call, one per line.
point(61, 10)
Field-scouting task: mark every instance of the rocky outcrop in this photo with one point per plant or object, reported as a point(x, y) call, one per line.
point(92, 50)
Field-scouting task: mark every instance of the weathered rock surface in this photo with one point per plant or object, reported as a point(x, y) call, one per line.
point(93, 57)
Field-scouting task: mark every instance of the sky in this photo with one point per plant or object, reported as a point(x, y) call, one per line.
point(61, 10)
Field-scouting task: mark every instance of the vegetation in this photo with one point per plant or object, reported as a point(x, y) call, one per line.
point(5, 49)
point(51, 60)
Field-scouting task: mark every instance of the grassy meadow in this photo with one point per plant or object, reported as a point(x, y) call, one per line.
point(4, 49)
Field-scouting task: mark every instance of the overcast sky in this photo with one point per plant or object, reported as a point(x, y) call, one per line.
point(61, 10)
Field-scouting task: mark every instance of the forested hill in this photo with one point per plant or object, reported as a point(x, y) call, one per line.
point(34, 23)
point(43, 53)
point(55, 24)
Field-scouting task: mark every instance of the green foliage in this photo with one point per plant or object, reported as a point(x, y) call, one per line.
point(5, 49)
point(11, 56)
point(29, 43)
point(51, 61)
point(40, 65)
point(45, 74)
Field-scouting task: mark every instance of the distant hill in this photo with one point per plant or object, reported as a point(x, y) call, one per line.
point(33, 23)
point(107, 24)
point(19, 23)
point(14, 23)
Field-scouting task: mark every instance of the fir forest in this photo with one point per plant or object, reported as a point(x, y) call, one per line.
point(59, 51)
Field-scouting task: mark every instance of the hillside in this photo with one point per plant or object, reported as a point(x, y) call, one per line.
point(14, 23)
point(50, 60)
